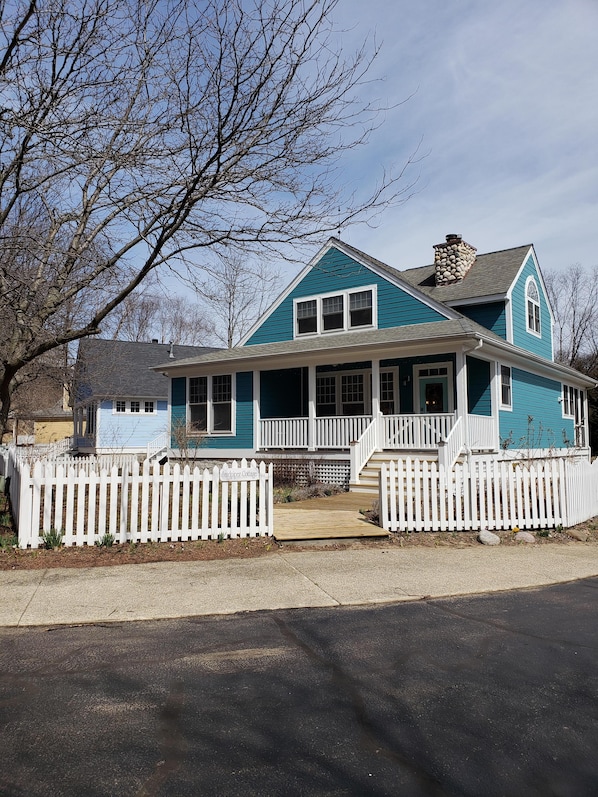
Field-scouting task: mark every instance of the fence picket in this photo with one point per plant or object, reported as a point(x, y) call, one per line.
point(486, 494)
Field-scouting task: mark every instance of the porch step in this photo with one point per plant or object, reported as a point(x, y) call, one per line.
point(369, 478)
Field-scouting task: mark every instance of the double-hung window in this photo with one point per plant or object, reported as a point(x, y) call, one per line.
point(333, 312)
point(307, 317)
point(339, 312)
point(211, 404)
point(533, 307)
point(506, 397)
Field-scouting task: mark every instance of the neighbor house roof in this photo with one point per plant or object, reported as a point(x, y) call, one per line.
point(109, 368)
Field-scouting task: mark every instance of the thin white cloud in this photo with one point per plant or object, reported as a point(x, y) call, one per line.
point(506, 104)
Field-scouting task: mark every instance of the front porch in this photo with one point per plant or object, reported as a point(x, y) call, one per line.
point(443, 435)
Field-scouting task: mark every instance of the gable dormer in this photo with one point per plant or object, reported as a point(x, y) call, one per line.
point(344, 290)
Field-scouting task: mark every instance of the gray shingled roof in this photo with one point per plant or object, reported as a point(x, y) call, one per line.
point(491, 274)
point(110, 368)
point(346, 340)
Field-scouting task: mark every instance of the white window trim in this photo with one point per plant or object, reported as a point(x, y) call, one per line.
point(570, 403)
point(127, 403)
point(210, 415)
point(346, 293)
point(536, 333)
point(506, 407)
point(449, 376)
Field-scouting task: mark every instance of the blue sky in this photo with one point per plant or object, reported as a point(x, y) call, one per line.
point(505, 101)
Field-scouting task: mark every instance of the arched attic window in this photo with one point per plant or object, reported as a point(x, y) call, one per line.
point(532, 298)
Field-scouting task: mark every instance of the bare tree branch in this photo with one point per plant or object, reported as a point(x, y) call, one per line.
point(132, 131)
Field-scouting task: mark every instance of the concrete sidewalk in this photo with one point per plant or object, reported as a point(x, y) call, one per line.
point(281, 580)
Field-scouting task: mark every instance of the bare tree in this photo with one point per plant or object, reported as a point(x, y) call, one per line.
point(157, 314)
point(235, 292)
point(135, 131)
point(574, 299)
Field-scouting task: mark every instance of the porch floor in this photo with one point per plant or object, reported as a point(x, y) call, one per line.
point(336, 517)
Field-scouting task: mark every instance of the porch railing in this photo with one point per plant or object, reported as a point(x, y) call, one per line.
point(409, 432)
point(341, 431)
point(421, 431)
point(283, 433)
point(481, 432)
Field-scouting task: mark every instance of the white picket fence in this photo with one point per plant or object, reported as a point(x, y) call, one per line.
point(486, 494)
point(139, 502)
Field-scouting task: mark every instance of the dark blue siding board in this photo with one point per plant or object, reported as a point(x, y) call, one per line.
point(491, 315)
point(336, 271)
point(178, 412)
point(479, 393)
point(536, 420)
point(541, 346)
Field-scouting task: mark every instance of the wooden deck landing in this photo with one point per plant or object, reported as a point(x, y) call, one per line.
point(336, 517)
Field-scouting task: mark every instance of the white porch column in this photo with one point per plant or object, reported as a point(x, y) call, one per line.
point(376, 399)
point(311, 408)
point(257, 443)
point(461, 384)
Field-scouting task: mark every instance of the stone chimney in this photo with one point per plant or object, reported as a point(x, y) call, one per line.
point(453, 259)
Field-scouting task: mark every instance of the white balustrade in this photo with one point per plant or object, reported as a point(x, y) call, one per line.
point(340, 431)
point(283, 433)
point(422, 431)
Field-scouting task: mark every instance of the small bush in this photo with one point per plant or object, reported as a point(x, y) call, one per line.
point(51, 539)
point(107, 541)
point(8, 541)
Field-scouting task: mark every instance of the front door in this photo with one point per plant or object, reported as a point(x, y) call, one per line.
point(433, 394)
point(432, 388)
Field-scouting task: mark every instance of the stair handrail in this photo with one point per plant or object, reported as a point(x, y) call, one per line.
point(450, 448)
point(157, 445)
point(362, 449)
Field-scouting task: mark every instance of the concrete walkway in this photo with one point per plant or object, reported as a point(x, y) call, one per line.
point(281, 580)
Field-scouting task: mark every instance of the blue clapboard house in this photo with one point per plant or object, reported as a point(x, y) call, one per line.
point(357, 361)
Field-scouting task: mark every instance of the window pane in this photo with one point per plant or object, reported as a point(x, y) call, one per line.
point(149, 406)
point(198, 389)
point(352, 388)
point(505, 385)
point(326, 396)
point(306, 309)
point(121, 406)
point(198, 417)
point(222, 388)
point(532, 292)
point(135, 407)
point(222, 417)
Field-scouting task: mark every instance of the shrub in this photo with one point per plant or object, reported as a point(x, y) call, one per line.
point(51, 539)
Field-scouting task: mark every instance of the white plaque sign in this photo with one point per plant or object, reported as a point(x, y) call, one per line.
point(239, 474)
